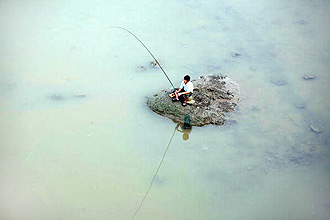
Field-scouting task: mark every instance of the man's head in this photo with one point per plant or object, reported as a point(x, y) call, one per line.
point(186, 79)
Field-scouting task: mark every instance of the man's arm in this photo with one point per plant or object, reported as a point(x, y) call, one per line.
point(180, 87)
point(182, 93)
point(177, 91)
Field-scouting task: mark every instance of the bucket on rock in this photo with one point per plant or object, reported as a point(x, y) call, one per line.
point(186, 124)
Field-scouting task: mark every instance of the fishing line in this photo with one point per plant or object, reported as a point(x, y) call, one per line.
point(147, 50)
point(169, 143)
point(153, 179)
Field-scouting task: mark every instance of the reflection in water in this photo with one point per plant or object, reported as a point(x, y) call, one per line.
point(153, 179)
point(185, 131)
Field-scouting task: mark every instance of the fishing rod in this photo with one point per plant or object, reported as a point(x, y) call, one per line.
point(147, 50)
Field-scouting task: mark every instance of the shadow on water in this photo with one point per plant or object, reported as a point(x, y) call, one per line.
point(183, 129)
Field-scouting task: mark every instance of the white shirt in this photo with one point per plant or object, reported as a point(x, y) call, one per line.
point(189, 87)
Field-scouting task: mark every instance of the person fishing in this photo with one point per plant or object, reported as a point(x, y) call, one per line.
point(185, 90)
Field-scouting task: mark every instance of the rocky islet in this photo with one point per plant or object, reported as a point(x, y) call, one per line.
point(214, 96)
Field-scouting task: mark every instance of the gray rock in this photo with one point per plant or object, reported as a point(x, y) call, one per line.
point(255, 108)
point(236, 54)
point(60, 97)
point(154, 64)
point(56, 97)
point(279, 82)
point(300, 105)
point(141, 68)
point(214, 97)
point(307, 77)
point(160, 180)
point(317, 128)
point(231, 122)
point(79, 96)
point(302, 22)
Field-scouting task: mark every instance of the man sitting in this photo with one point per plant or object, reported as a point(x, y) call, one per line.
point(185, 91)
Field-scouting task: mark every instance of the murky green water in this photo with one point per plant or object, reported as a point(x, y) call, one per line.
point(78, 141)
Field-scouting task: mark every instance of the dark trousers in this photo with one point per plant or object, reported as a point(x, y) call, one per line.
point(182, 98)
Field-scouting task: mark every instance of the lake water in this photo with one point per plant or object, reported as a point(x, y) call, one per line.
point(79, 142)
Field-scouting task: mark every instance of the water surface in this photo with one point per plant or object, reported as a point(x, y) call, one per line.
point(78, 141)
